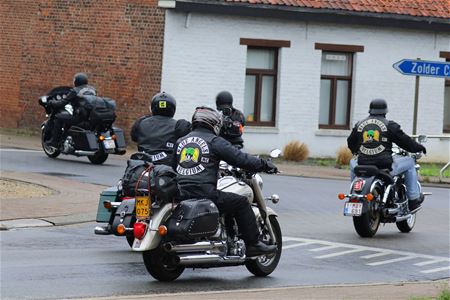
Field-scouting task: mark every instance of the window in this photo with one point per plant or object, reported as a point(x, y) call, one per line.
point(260, 86)
point(336, 85)
point(446, 125)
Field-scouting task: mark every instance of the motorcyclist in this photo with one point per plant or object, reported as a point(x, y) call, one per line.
point(371, 140)
point(157, 133)
point(197, 163)
point(233, 119)
point(72, 114)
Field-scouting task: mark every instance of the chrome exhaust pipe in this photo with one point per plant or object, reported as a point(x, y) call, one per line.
point(186, 260)
point(402, 218)
point(200, 246)
point(84, 153)
point(392, 211)
point(102, 230)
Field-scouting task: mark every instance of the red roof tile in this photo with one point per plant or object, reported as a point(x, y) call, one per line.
point(417, 8)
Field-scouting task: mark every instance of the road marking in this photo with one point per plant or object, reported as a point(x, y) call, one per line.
point(339, 253)
point(324, 248)
point(435, 270)
point(296, 245)
point(429, 262)
point(375, 255)
point(18, 150)
point(390, 261)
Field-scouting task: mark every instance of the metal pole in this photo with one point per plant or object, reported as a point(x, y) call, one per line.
point(416, 104)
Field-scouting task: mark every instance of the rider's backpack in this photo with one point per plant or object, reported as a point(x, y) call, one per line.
point(193, 219)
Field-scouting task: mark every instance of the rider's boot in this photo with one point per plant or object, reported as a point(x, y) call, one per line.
point(414, 204)
point(259, 248)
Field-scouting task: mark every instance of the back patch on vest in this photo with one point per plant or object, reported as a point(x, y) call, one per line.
point(371, 130)
point(190, 152)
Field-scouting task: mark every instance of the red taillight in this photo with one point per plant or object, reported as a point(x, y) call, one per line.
point(126, 198)
point(139, 230)
point(358, 185)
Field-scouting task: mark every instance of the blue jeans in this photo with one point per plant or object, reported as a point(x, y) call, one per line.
point(401, 164)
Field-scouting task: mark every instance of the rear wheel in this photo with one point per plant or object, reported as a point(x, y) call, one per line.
point(367, 224)
point(266, 264)
point(48, 150)
point(130, 239)
point(160, 265)
point(98, 158)
point(407, 225)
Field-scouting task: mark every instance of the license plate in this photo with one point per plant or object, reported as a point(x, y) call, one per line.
point(109, 144)
point(143, 207)
point(353, 209)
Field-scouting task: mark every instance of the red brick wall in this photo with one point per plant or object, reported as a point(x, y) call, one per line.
point(118, 43)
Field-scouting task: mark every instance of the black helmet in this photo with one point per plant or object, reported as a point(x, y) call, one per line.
point(80, 79)
point(378, 107)
point(224, 99)
point(163, 104)
point(207, 117)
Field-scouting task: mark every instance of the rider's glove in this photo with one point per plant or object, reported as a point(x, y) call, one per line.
point(270, 168)
point(424, 150)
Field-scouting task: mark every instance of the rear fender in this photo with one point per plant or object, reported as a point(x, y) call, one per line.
point(369, 183)
point(152, 238)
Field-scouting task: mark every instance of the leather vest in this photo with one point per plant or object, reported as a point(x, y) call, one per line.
point(197, 165)
point(375, 147)
point(156, 136)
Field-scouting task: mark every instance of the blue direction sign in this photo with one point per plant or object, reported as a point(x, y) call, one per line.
point(423, 68)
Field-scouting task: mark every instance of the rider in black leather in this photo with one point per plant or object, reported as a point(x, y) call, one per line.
point(156, 134)
point(197, 163)
point(233, 119)
point(371, 140)
point(73, 117)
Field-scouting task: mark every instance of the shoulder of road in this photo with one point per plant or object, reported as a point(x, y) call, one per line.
point(71, 202)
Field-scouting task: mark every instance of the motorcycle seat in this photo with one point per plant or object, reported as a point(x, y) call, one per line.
point(369, 170)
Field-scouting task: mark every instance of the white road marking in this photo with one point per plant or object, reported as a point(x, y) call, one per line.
point(324, 248)
point(18, 150)
point(428, 262)
point(435, 270)
point(375, 255)
point(390, 261)
point(339, 253)
point(295, 245)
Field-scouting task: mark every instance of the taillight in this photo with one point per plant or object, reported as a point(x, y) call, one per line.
point(139, 230)
point(358, 185)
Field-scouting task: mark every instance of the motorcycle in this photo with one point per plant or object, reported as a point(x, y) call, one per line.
point(376, 196)
point(166, 256)
point(94, 140)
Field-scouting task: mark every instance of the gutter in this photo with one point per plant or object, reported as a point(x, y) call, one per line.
point(309, 14)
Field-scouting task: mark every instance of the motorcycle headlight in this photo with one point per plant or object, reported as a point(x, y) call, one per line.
point(259, 180)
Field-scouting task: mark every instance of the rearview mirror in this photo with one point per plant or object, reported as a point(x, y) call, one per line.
point(422, 138)
point(275, 153)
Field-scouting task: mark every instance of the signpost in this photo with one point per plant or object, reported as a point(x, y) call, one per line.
point(419, 68)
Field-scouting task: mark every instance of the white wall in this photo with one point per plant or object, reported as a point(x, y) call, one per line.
point(202, 56)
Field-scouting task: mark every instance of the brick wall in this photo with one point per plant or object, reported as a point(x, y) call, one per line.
point(118, 43)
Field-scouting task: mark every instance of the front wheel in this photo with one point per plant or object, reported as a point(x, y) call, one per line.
point(98, 158)
point(407, 225)
point(367, 224)
point(266, 264)
point(48, 150)
point(160, 265)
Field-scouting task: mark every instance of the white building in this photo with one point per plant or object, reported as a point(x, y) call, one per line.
point(307, 74)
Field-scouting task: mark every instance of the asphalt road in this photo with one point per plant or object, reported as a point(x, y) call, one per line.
point(321, 246)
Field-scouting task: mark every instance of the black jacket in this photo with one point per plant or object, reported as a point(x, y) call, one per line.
point(371, 139)
point(197, 162)
point(233, 126)
point(156, 135)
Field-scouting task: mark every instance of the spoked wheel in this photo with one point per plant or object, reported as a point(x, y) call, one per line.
point(48, 150)
point(160, 265)
point(407, 225)
point(367, 224)
point(266, 264)
point(98, 158)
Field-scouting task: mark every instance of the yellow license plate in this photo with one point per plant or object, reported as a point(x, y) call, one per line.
point(143, 204)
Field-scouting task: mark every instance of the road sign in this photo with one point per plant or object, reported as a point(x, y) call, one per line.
point(423, 68)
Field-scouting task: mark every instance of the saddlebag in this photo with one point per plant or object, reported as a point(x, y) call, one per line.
point(83, 139)
point(193, 219)
point(124, 215)
point(110, 194)
point(162, 180)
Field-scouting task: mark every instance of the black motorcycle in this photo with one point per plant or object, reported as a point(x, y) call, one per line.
point(92, 137)
point(376, 196)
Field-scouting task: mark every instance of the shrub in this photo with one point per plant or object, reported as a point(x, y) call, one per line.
point(296, 151)
point(343, 156)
